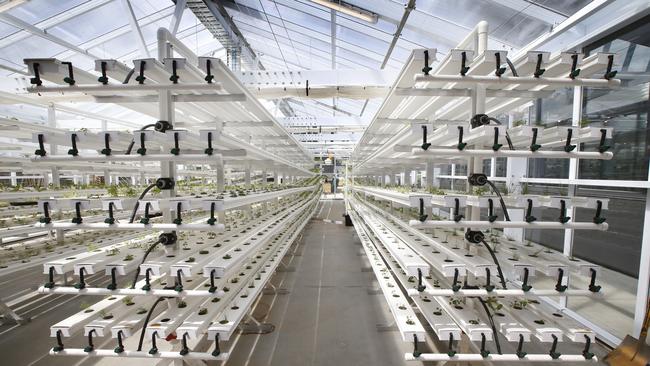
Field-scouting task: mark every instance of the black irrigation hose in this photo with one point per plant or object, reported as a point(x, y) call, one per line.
point(496, 261)
point(128, 149)
point(146, 321)
point(510, 145)
point(144, 258)
point(137, 203)
point(503, 204)
point(512, 67)
point(128, 76)
point(494, 327)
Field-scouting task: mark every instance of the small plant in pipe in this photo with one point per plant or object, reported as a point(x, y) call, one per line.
point(128, 300)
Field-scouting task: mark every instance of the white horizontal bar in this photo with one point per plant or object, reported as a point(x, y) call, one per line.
point(508, 224)
point(476, 357)
point(141, 227)
point(500, 292)
point(100, 291)
point(122, 88)
point(140, 354)
point(479, 79)
point(134, 157)
point(539, 154)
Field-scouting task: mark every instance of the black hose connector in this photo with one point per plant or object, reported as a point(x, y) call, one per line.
point(425, 145)
point(50, 278)
point(422, 216)
point(484, 352)
point(592, 283)
point(208, 70)
point(525, 286)
point(491, 216)
point(209, 150)
point(477, 179)
point(184, 350)
point(217, 349)
point(585, 352)
point(74, 151)
point(107, 145)
point(608, 72)
point(416, 352)
point(153, 349)
point(111, 218)
point(568, 147)
point(147, 279)
point(461, 145)
point(599, 210)
point(146, 218)
point(450, 351)
point(520, 347)
point(179, 281)
point(82, 282)
point(498, 71)
point(553, 352)
point(602, 147)
point(212, 288)
point(538, 67)
point(103, 79)
point(559, 287)
point(421, 286)
point(36, 80)
point(41, 146)
point(457, 215)
point(77, 211)
point(488, 286)
point(534, 146)
point(46, 219)
point(426, 69)
point(143, 149)
point(59, 342)
point(90, 347)
point(529, 212)
point(176, 149)
point(563, 211)
point(120, 346)
point(212, 220)
point(455, 286)
point(574, 67)
point(496, 145)
point(463, 61)
point(141, 78)
point(174, 78)
point(70, 78)
point(113, 285)
point(178, 220)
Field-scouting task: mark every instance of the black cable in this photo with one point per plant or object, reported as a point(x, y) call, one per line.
point(128, 76)
point(512, 67)
point(146, 321)
point(144, 258)
point(128, 149)
point(496, 261)
point(495, 334)
point(503, 204)
point(137, 203)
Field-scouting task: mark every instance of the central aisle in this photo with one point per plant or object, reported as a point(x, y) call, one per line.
point(328, 317)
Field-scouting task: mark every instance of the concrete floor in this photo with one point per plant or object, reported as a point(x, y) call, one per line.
point(328, 317)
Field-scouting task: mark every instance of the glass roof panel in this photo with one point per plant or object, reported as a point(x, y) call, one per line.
point(79, 30)
point(38, 10)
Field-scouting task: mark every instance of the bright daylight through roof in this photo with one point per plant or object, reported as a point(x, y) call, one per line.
point(324, 182)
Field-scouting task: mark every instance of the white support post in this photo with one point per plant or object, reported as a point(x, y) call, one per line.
point(14, 181)
point(51, 121)
point(642, 289)
point(221, 177)
point(429, 175)
point(247, 176)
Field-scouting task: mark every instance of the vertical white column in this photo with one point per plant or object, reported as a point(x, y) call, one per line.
point(14, 181)
point(407, 178)
point(429, 173)
point(247, 176)
point(51, 121)
point(642, 290)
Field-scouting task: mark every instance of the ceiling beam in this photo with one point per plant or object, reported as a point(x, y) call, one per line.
point(135, 28)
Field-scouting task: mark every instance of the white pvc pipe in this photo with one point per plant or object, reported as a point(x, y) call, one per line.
point(475, 357)
point(100, 291)
point(501, 292)
point(135, 157)
point(141, 354)
point(124, 88)
point(141, 227)
point(512, 154)
point(508, 225)
point(479, 79)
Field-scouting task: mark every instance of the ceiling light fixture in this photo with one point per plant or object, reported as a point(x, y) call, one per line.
point(348, 9)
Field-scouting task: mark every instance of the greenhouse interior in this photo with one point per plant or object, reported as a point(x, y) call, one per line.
point(324, 182)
